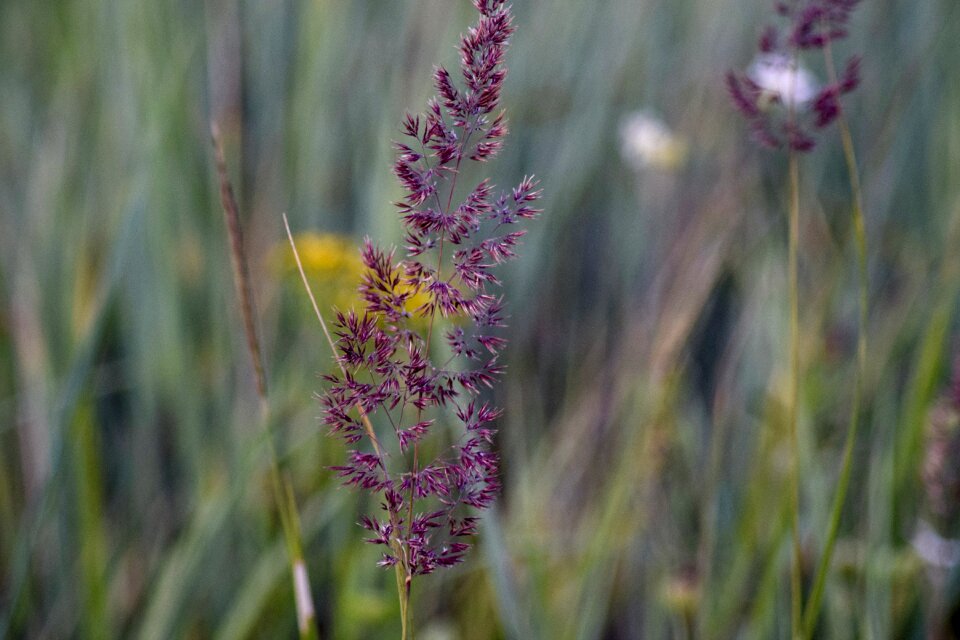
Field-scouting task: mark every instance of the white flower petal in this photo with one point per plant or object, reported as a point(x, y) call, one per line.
point(777, 74)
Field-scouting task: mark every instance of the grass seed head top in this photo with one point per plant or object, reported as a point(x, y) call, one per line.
point(388, 377)
point(777, 95)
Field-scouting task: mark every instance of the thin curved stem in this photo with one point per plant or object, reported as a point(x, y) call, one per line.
point(399, 568)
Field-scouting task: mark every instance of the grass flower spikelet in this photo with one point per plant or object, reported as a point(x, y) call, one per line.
point(452, 250)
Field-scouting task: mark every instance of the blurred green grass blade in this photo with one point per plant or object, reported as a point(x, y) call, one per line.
point(93, 543)
point(247, 607)
point(511, 602)
point(877, 613)
point(183, 565)
point(763, 612)
point(596, 594)
point(272, 569)
point(924, 384)
point(68, 396)
point(180, 568)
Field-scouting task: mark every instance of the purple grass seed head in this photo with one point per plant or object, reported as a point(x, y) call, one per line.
point(782, 100)
point(453, 247)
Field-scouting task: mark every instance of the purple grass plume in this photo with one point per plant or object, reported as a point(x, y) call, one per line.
point(389, 381)
point(781, 99)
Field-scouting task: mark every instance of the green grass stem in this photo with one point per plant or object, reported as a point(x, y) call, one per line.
point(282, 491)
point(860, 241)
point(93, 542)
point(793, 397)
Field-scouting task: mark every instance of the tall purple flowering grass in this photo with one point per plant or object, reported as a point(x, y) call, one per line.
point(396, 387)
point(785, 109)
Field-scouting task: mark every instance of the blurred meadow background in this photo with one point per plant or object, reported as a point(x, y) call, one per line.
point(644, 445)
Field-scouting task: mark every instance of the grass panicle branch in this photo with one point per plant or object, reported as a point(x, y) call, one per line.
point(447, 277)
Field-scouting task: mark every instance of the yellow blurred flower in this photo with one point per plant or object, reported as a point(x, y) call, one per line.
point(413, 304)
point(332, 265)
point(415, 301)
point(325, 254)
point(334, 268)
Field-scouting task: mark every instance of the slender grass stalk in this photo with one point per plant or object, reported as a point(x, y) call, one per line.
point(306, 618)
point(95, 620)
point(793, 398)
point(282, 491)
point(811, 26)
point(860, 241)
point(402, 593)
point(368, 426)
point(407, 626)
point(404, 601)
point(241, 275)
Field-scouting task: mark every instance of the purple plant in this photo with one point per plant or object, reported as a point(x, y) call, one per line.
point(387, 374)
point(776, 95)
point(784, 106)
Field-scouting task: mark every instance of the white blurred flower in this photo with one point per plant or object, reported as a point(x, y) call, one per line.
point(777, 75)
point(934, 549)
point(646, 142)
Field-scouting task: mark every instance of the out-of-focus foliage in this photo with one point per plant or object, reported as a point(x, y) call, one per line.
point(644, 443)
